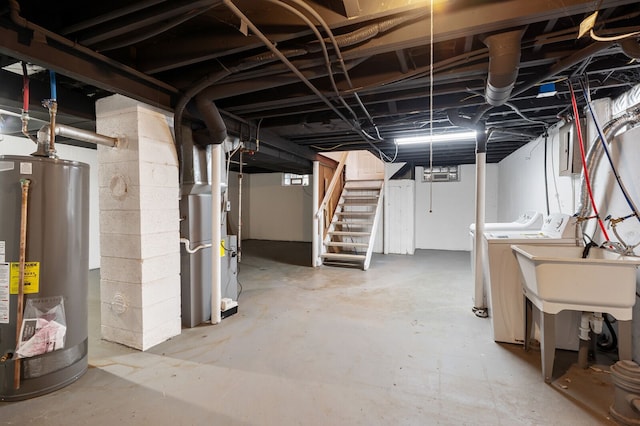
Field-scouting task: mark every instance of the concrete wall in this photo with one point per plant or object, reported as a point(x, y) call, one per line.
point(446, 227)
point(11, 145)
point(273, 211)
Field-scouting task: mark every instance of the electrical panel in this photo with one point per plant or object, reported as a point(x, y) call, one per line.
point(569, 149)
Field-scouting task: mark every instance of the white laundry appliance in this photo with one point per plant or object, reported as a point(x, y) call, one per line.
point(529, 220)
point(504, 287)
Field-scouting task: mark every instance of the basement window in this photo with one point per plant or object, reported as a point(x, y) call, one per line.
point(441, 174)
point(290, 179)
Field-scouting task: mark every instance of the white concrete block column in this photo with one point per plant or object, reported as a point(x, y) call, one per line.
point(139, 224)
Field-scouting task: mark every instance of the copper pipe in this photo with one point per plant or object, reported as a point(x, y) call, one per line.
point(53, 110)
point(24, 183)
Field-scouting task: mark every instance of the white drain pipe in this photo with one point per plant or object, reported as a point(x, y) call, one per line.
point(481, 161)
point(216, 217)
point(316, 241)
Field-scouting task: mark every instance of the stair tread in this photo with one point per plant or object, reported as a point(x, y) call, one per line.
point(358, 204)
point(347, 233)
point(350, 213)
point(358, 223)
point(345, 244)
point(343, 256)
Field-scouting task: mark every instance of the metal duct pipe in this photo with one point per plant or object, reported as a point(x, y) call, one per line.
point(556, 69)
point(504, 58)
point(213, 119)
point(631, 118)
point(631, 48)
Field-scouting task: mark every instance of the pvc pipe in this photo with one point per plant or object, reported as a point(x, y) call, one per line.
point(584, 326)
point(239, 242)
point(315, 243)
point(596, 322)
point(188, 249)
point(216, 200)
point(481, 160)
point(385, 218)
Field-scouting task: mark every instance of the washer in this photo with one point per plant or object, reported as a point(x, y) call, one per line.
point(529, 220)
point(504, 287)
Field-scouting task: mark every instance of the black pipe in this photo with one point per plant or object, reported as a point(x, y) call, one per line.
point(631, 48)
point(481, 139)
point(213, 120)
point(456, 119)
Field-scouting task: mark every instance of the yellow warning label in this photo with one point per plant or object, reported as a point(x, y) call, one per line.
point(222, 248)
point(31, 277)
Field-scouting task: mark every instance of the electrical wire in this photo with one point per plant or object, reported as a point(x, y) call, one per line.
point(323, 46)
point(336, 48)
point(546, 172)
point(576, 115)
point(612, 38)
point(296, 71)
point(603, 141)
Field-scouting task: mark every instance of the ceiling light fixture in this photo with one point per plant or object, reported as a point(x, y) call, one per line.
point(442, 137)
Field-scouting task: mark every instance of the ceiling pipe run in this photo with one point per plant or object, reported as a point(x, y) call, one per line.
point(504, 59)
point(556, 69)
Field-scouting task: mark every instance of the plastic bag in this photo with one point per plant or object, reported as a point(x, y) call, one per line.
point(43, 328)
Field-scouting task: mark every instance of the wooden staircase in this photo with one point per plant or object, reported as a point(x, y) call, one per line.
point(351, 235)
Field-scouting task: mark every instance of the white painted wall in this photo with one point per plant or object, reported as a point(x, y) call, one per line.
point(276, 212)
point(447, 226)
point(12, 145)
point(522, 187)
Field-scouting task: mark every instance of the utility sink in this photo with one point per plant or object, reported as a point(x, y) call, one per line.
point(557, 278)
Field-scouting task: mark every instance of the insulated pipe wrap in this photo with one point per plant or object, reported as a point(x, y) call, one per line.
point(504, 58)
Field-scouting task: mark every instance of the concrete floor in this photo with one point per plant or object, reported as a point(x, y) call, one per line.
point(395, 345)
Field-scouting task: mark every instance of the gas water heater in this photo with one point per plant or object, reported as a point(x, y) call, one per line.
point(52, 328)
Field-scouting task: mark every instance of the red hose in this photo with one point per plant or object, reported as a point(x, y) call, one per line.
point(584, 161)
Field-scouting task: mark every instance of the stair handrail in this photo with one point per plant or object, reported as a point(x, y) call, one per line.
point(332, 185)
point(320, 213)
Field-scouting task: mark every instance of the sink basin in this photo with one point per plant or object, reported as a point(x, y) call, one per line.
point(557, 278)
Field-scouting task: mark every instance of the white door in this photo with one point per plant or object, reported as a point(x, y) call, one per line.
point(400, 213)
